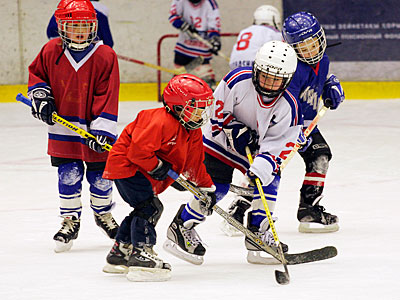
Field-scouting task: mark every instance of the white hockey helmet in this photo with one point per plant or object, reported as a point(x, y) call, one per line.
point(269, 15)
point(273, 68)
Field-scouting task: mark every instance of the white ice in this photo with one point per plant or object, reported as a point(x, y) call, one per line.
point(362, 188)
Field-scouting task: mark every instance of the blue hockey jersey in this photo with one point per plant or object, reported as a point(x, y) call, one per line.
point(306, 86)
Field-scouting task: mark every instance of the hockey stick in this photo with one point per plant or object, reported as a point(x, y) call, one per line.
point(243, 191)
point(281, 277)
point(307, 132)
point(254, 239)
point(63, 122)
point(182, 70)
point(209, 45)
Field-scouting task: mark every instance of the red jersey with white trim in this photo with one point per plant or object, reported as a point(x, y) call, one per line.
point(85, 93)
point(249, 41)
point(204, 17)
point(276, 122)
point(156, 133)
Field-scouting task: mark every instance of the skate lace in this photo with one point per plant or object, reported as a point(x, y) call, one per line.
point(67, 226)
point(191, 236)
point(108, 220)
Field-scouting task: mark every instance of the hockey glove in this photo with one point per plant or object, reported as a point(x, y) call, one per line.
point(43, 105)
point(206, 206)
point(187, 28)
point(239, 136)
point(216, 44)
point(332, 92)
point(161, 171)
point(303, 142)
point(98, 143)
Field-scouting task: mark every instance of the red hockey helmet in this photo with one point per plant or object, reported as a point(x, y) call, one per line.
point(189, 99)
point(77, 23)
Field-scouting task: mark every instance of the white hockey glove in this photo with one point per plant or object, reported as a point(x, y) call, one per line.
point(206, 206)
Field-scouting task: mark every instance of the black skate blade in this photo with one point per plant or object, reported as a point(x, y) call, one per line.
point(282, 277)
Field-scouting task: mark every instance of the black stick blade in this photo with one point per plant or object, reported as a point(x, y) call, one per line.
point(282, 277)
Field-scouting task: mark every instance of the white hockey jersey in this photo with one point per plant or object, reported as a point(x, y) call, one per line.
point(249, 41)
point(204, 17)
point(276, 123)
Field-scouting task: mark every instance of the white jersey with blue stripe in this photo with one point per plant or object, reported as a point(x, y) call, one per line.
point(276, 122)
point(204, 17)
point(248, 42)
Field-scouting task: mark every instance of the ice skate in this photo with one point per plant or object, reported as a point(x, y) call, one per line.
point(257, 256)
point(183, 242)
point(144, 265)
point(107, 224)
point(117, 259)
point(68, 232)
point(237, 210)
point(314, 219)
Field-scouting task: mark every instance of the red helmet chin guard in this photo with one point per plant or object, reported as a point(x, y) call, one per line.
point(188, 98)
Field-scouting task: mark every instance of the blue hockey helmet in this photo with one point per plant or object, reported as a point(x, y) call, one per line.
point(303, 31)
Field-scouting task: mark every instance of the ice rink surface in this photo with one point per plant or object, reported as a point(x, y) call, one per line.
point(362, 188)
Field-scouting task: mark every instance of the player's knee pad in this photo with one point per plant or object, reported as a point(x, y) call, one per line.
point(320, 164)
point(204, 71)
point(70, 177)
point(100, 192)
point(70, 174)
point(98, 184)
point(149, 210)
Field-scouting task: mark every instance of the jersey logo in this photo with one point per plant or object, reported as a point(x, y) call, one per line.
point(173, 141)
point(310, 96)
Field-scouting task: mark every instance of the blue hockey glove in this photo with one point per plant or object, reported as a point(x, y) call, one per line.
point(161, 171)
point(43, 105)
point(332, 93)
point(239, 136)
point(216, 44)
point(98, 143)
point(303, 142)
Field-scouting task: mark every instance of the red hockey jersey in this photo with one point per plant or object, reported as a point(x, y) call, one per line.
point(156, 133)
point(85, 93)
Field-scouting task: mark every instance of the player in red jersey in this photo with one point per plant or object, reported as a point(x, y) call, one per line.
point(156, 141)
point(79, 79)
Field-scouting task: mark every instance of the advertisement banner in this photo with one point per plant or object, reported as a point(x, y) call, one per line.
point(367, 30)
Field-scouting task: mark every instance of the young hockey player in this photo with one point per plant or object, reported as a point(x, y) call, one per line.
point(201, 17)
point(79, 79)
point(157, 141)
point(254, 109)
point(310, 81)
point(266, 27)
point(103, 31)
point(305, 34)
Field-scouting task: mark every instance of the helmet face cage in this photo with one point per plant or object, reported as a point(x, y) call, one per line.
point(189, 99)
point(76, 23)
point(273, 68)
point(305, 34)
point(312, 49)
point(77, 35)
point(194, 114)
point(268, 83)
